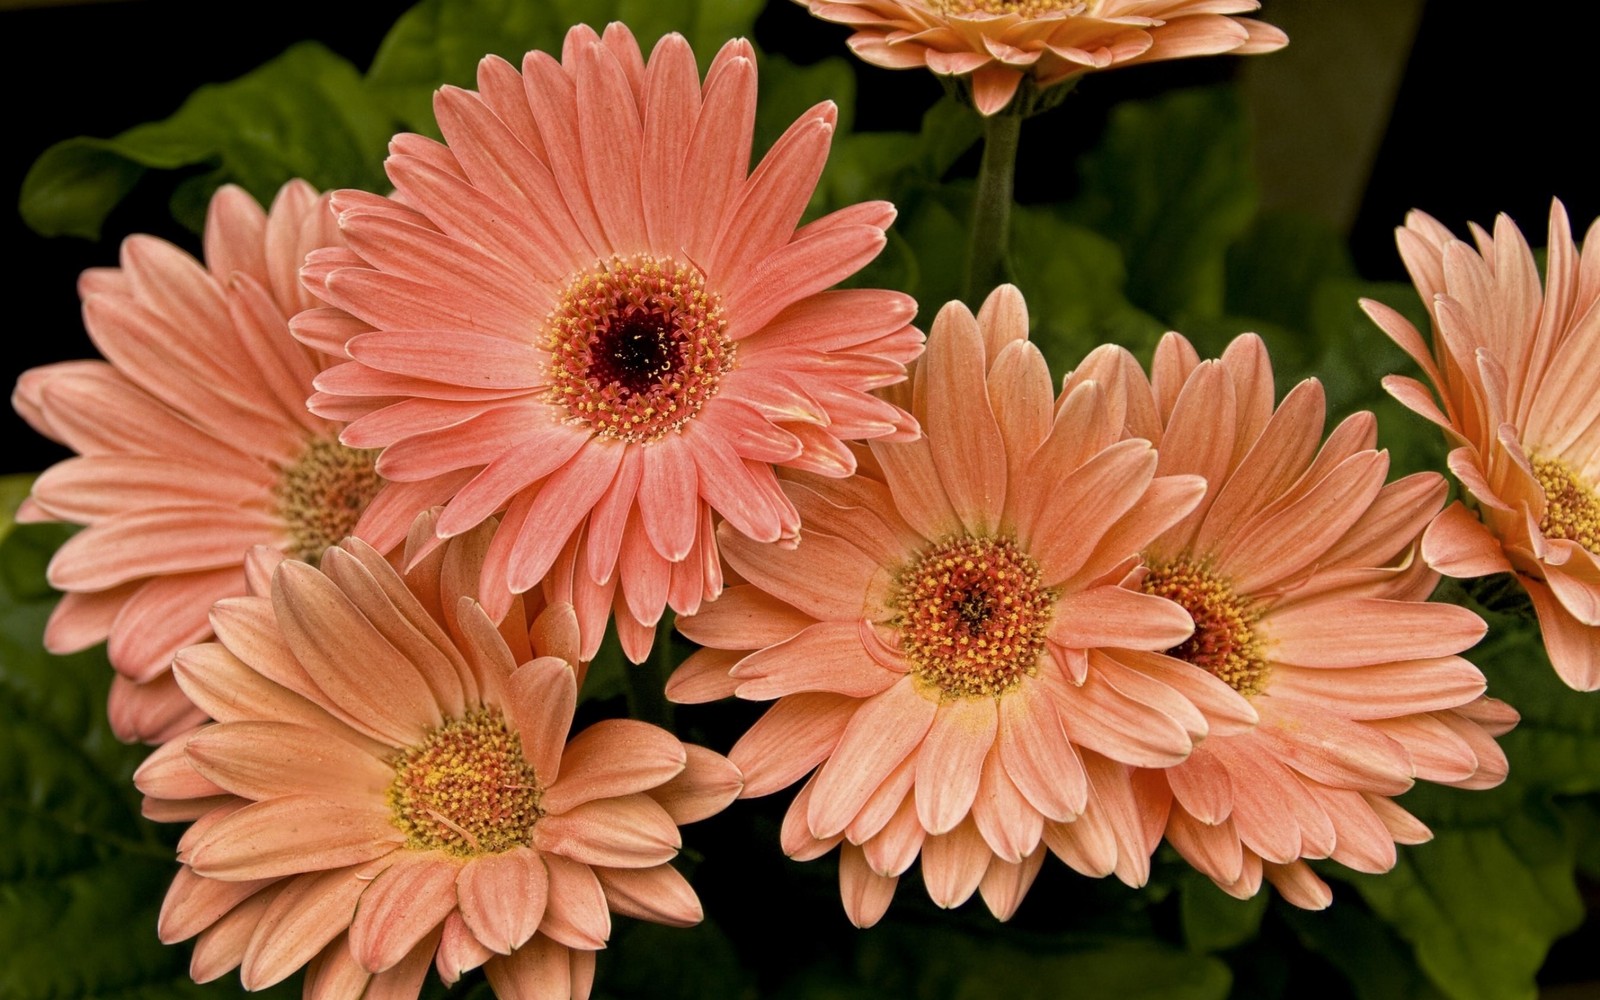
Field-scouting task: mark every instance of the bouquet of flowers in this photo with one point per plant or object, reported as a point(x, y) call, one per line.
point(519, 410)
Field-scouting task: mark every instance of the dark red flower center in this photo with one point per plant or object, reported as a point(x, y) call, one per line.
point(1224, 640)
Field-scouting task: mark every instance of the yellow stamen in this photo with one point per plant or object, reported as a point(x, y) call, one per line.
point(1224, 640)
point(322, 495)
point(466, 789)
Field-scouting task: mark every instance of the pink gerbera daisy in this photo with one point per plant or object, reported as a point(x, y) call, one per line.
point(996, 44)
point(1299, 571)
point(389, 782)
point(585, 311)
point(954, 645)
point(194, 443)
point(1514, 367)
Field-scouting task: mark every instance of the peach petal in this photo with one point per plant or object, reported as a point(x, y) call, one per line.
point(305, 916)
point(1037, 755)
point(630, 831)
point(251, 842)
point(193, 903)
point(1008, 822)
point(827, 656)
point(502, 898)
point(540, 696)
point(576, 913)
point(951, 759)
point(401, 907)
point(953, 864)
point(1006, 882)
point(1361, 632)
point(614, 757)
point(885, 730)
point(865, 893)
point(659, 894)
point(539, 970)
point(794, 736)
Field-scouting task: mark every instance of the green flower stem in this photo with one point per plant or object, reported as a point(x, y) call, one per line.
point(987, 265)
point(647, 681)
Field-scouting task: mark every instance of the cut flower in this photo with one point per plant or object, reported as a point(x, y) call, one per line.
point(1299, 569)
point(996, 44)
point(194, 444)
point(958, 647)
point(584, 311)
point(1513, 365)
point(389, 782)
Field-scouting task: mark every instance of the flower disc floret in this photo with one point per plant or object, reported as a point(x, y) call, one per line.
point(637, 346)
point(972, 615)
point(466, 789)
point(322, 495)
point(1225, 641)
point(1022, 8)
point(1572, 511)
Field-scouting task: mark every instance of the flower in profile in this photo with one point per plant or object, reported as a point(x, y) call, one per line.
point(959, 650)
point(1299, 569)
point(584, 311)
point(996, 44)
point(1513, 367)
point(389, 783)
point(194, 444)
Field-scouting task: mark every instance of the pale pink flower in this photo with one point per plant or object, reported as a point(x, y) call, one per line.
point(996, 44)
point(1513, 365)
point(955, 644)
point(389, 783)
point(194, 444)
point(1299, 569)
point(584, 310)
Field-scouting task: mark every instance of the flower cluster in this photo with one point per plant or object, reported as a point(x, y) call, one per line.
point(384, 468)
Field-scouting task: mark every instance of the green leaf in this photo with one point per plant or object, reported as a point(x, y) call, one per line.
point(441, 41)
point(81, 874)
point(788, 90)
point(1212, 919)
point(13, 490)
point(1377, 963)
point(304, 114)
point(1483, 901)
point(936, 964)
point(1172, 184)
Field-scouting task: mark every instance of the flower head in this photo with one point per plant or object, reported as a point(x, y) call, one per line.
point(1513, 366)
point(584, 311)
point(194, 444)
point(389, 782)
point(959, 650)
point(996, 44)
point(1299, 570)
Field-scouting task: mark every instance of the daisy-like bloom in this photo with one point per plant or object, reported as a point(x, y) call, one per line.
point(1299, 569)
point(585, 311)
point(1518, 396)
point(995, 44)
point(955, 645)
point(389, 783)
point(194, 444)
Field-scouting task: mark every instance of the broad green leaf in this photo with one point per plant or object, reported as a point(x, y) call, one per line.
point(1377, 963)
point(1482, 902)
point(441, 41)
point(305, 114)
point(1073, 280)
point(81, 874)
point(1171, 183)
point(1214, 920)
point(935, 964)
point(13, 490)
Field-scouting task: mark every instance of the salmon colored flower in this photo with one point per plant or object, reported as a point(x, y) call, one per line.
point(585, 311)
point(997, 43)
point(389, 783)
point(1514, 369)
point(1298, 568)
point(194, 444)
point(955, 646)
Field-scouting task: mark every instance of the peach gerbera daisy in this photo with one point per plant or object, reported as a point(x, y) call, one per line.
point(389, 782)
point(1298, 570)
point(998, 43)
point(585, 311)
point(1513, 366)
point(194, 444)
point(940, 642)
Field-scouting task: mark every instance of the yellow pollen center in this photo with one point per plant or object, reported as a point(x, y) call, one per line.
point(323, 494)
point(1025, 8)
point(1224, 640)
point(466, 788)
point(637, 346)
point(1571, 511)
point(972, 614)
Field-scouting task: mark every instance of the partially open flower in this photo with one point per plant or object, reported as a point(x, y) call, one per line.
point(1514, 369)
point(585, 311)
point(1299, 569)
point(957, 648)
point(996, 44)
point(194, 444)
point(389, 782)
